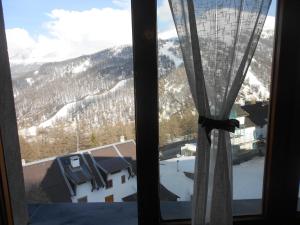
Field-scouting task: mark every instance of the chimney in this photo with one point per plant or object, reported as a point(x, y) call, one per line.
point(75, 161)
point(122, 138)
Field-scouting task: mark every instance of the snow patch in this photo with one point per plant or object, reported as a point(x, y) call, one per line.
point(69, 107)
point(165, 50)
point(81, 67)
point(247, 177)
point(63, 112)
point(30, 81)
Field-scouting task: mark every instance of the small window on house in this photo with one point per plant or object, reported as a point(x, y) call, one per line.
point(123, 179)
point(109, 184)
point(109, 199)
point(82, 200)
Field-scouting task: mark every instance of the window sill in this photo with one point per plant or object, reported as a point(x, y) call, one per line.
point(124, 213)
point(182, 210)
point(83, 213)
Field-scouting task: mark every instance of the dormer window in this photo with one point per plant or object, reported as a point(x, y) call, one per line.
point(75, 161)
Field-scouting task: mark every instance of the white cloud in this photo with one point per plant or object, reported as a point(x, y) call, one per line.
point(269, 23)
point(166, 26)
point(164, 13)
point(125, 4)
point(171, 33)
point(71, 34)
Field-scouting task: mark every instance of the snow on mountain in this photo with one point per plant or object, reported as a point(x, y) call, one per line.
point(99, 87)
point(171, 48)
point(81, 67)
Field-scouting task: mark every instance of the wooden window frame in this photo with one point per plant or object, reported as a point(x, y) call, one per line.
point(109, 197)
point(281, 178)
point(282, 157)
point(109, 184)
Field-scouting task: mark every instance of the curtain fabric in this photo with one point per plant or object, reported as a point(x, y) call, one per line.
point(218, 39)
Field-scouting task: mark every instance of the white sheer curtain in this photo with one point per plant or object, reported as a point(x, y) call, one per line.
point(218, 39)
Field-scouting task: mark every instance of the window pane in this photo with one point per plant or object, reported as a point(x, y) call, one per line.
point(72, 72)
point(178, 124)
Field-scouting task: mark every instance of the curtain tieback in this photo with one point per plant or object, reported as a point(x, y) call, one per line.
point(210, 124)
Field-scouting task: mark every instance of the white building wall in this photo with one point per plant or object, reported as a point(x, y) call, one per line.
point(244, 137)
point(118, 190)
point(241, 120)
point(261, 131)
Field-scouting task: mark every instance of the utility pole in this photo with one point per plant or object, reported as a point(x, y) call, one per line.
point(77, 132)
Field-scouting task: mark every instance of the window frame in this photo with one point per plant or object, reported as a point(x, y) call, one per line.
point(108, 198)
point(109, 184)
point(280, 195)
point(286, 38)
point(123, 179)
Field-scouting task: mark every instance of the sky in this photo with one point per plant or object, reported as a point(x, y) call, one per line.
point(41, 31)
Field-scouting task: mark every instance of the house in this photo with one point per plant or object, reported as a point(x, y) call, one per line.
point(253, 125)
point(188, 149)
point(250, 135)
point(102, 174)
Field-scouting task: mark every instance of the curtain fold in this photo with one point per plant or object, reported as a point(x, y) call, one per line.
point(218, 39)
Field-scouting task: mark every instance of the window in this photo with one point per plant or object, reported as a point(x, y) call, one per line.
point(152, 165)
point(123, 179)
point(83, 107)
point(109, 199)
point(178, 123)
point(82, 200)
point(109, 184)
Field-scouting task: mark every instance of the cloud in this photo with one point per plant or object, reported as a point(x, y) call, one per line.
point(269, 23)
point(71, 34)
point(164, 13)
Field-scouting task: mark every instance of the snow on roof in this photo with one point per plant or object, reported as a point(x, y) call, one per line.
point(175, 180)
point(190, 147)
point(247, 177)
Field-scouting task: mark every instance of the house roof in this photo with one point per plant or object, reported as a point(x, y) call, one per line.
point(258, 113)
point(238, 111)
point(48, 177)
point(164, 194)
point(128, 151)
point(79, 175)
point(249, 122)
point(109, 159)
point(189, 175)
point(57, 179)
point(97, 175)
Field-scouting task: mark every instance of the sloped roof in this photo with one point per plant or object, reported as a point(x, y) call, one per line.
point(94, 170)
point(109, 160)
point(164, 194)
point(239, 111)
point(78, 175)
point(258, 113)
point(249, 123)
point(128, 151)
point(48, 176)
point(56, 179)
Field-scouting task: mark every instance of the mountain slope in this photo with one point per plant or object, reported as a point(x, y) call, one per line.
point(98, 88)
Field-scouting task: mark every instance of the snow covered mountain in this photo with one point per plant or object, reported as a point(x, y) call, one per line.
point(98, 88)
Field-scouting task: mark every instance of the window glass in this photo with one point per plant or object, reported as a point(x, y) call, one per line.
point(72, 73)
point(178, 124)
